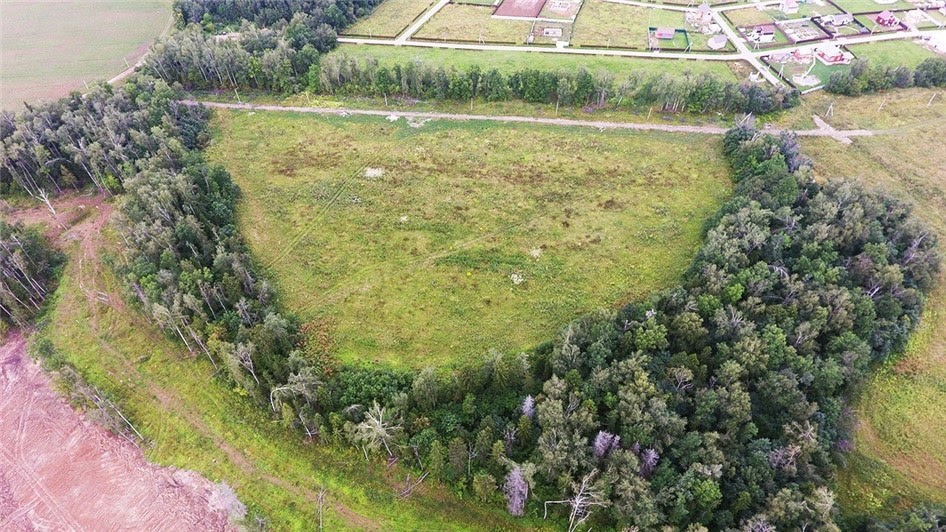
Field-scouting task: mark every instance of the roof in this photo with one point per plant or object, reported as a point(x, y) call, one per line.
point(705, 8)
point(842, 17)
point(886, 15)
point(766, 28)
point(790, 3)
point(829, 50)
point(665, 33)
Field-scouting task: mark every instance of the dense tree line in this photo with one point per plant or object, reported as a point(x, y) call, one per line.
point(335, 14)
point(686, 92)
point(97, 138)
point(280, 59)
point(28, 271)
point(864, 78)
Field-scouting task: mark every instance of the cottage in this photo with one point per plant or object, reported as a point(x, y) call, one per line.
point(886, 19)
point(764, 33)
point(832, 55)
point(717, 42)
point(841, 19)
point(705, 12)
point(789, 7)
point(665, 34)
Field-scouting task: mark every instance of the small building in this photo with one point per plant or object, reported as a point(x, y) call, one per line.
point(840, 19)
point(789, 7)
point(705, 12)
point(831, 54)
point(764, 33)
point(665, 34)
point(886, 18)
point(717, 42)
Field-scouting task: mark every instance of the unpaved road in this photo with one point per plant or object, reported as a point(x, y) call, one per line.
point(824, 131)
point(59, 471)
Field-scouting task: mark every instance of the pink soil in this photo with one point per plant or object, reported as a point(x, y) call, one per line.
point(520, 8)
point(59, 471)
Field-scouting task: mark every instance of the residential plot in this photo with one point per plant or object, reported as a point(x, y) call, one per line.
point(390, 18)
point(609, 25)
point(407, 236)
point(893, 53)
point(520, 8)
point(871, 6)
point(469, 23)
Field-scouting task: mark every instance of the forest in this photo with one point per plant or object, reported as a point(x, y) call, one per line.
point(722, 403)
point(28, 271)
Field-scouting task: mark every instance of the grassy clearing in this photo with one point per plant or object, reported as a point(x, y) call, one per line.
point(511, 61)
point(893, 53)
point(193, 421)
point(416, 266)
point(470, 23)
point(900, 456)
point(870, 6)
point(390, 18)
point(82, 41)
point(603, 24)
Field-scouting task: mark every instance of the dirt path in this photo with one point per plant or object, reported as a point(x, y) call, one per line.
point(59, 471)
point(825, 131)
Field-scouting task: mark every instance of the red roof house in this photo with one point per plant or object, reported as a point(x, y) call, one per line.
point(886, 18)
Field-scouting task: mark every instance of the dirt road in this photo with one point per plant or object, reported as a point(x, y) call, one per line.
point(823, 131)
point(59, 471)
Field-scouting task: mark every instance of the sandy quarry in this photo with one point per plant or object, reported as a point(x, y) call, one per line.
point(59, 471)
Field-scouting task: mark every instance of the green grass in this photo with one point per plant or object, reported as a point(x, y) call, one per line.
point(50, 48)
point(415, 267)
point(900, 448)
point(603, 24)
point(893, 53)
point(870, 6)
point(508, 62)
point(193, 421)
point(470, 23)
point(390, 18)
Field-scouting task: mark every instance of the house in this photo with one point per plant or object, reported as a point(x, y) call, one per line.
point(830, 54)
point(705, 13)
point(886, 19)
point(665, 34)
point(841, 19)
point(789, 7)
point(717, 43)
point(764, 33)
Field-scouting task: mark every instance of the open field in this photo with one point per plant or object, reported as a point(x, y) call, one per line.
point(900, 448)
point(507, 62)
point(893, 53)
point(468, 23)
point(390, 18)
point(82, 41)
point(408, 247)
point(192, 421)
